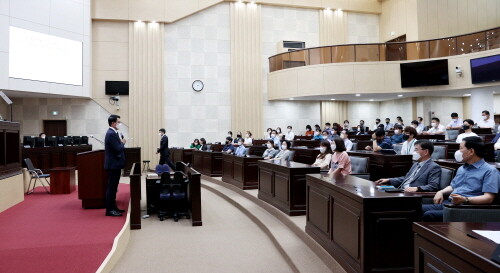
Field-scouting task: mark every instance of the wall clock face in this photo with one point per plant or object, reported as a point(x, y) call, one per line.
point(198, 85)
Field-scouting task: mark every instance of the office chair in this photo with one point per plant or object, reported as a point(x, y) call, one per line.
point(164, 198)
point(359, 167)
point(35, 174)
point(173, 197)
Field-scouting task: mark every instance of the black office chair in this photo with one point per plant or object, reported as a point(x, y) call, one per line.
point(35, 174)
point(163, 203)
point(173, 197)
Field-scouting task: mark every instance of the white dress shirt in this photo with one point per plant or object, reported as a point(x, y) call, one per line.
point(348, 144)
point(455, 123)
point(289, 136)
point(489, 123)
point(408, 147)
point(248, 141)
point(420, 128)
point(464, 135)
point(437, 131)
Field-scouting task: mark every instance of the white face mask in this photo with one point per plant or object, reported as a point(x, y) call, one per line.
point(322, 149)
point(160, 134)
point(415, 156)
point(397, 132)
point(240, 143)
point(414, 126)
point(273, 135)
point(283, 147)
point(485, 117)
point(333, 146)
point(228, 135)
point(119, 125)
point(433, 124)
point(289, 130)
point(316, 133)
point(269, 146)
point(342, 136)
point(247, 135)
point(325, 137)
point(459, 156)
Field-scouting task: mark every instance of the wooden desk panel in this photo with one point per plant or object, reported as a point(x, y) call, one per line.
point(305, 156)
point(360, 225)
point(307, 143)
point(455, 165)
point(383, 165)
point(427, 137)
point(62, 180)
point(361, 144)
point(207, 163)
point(132, 155)
point(47, 158)
point(92, 179)
point(241, 171)
point(282, 184)
point(489, 153)
point(181, 154)
point(445, 247)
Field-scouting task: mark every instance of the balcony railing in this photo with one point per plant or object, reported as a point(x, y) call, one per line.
point(443, 47)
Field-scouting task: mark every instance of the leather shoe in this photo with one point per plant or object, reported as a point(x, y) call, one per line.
point(119, 210)
point(113, 213)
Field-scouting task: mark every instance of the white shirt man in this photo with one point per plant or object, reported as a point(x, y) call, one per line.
point(436, 128)
point(289, 134)
point(455, 122)
point(486, 121)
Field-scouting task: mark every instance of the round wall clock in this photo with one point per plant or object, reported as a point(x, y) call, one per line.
point(198, 85)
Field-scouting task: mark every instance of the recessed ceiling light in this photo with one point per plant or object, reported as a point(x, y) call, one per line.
point(332, 99)
point(291, 98)
point(139, 21)
point(154, 22)
point(466, 95)
point(371, 99)
point(339, 10)
point(328, 9)
point(252, 2)
point(400, 95)
point(358, 95)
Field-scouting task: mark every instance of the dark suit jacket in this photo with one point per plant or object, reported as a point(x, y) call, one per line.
point(495, 139)
point(114, 151)
point(428, 177)
point(163, 150)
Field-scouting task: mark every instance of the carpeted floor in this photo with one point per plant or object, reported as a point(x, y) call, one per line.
point(52, 233)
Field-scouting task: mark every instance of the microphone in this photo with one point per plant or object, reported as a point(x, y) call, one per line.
point(98, 140)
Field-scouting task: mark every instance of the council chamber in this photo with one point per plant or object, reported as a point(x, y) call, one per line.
point(250, 136)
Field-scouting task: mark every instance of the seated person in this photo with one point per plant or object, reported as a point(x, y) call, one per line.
point(476, 182)
point(424, 175)
point(467, 127)
point(229, 147)
point(335, 132)
point(270, 152)
point(496, 146)
point(399, 121)
point(347, 141)
point(318, 135)
point(204, 146)
point(380, 141)
point(326, 135)
point(289, 134)
point(325, 156)
point(309, 131)
point(388, 125)
point(398, 136)
point(284, 154)
point(361, 129)
point(248, 138)
point(409, 137)
point(241, 150)
point(346, 126)
point(415, 124)
point(275, 138)
point(436, 128)
point(455, 123)
point(195, 145)
point(341, 163)
point(267, 135)
point(377, 124)
point(238, 137)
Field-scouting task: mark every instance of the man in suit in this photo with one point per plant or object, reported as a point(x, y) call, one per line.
point(424, 175)
point(164, 151)
point(114, 161)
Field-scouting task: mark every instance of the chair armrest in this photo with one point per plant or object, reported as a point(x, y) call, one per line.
point(452, 206)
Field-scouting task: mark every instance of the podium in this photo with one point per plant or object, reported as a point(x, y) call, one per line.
point(92, 179)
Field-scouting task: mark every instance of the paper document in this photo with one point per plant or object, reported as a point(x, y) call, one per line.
point(490, 234)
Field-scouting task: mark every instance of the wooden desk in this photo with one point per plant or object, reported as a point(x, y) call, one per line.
point(207, 163)
point(383, 165)
point(305, 156)
point(259, 142)
point(452, 163)
point(360, 137)
point(62, 180)
point(489, 152)
point(92, 179)
point(241, 171)
point(283, 185)
point(427, 137)
point(364, 229)
point(445, 247)
point(181, 154)
point(47, 158)
point(303, 137)
point(361, 144)
point(307, 143)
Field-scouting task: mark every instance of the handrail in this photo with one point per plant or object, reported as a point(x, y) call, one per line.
point(393, 51)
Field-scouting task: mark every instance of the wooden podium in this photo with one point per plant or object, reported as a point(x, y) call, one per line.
point(92, 179)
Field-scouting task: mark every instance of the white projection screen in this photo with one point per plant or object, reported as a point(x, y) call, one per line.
point(42, 57)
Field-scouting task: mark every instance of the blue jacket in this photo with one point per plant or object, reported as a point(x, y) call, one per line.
point(114, 151)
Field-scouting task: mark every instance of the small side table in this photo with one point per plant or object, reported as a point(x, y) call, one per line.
point(62, 180)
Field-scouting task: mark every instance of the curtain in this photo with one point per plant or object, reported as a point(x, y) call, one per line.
point(332, 27)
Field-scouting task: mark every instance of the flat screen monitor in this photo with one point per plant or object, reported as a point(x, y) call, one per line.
point(68, 140)
point(61, 140)
point(116, 87)
point(51, 141)
point(485, 69)
point(39, 142)
point(85, 140)
point(29, 141)
point(77, 140)
point(428, 73)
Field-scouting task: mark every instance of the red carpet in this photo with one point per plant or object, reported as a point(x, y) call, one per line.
point(52, 233)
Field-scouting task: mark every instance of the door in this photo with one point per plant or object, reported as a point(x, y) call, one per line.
point(54, 127)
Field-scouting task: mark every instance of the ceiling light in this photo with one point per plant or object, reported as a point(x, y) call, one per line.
point(371, 99)
point(358, 95)
point(291, 98)
point(400, 95)
point(339, 10)
point(328, 9)
point(55, 113)
point(332, 99)
point(139, 21)
point(154, 22)
point(253, 2)
point(466, 95)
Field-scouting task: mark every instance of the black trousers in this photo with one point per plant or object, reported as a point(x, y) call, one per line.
point(166, 159)
point(112, 188)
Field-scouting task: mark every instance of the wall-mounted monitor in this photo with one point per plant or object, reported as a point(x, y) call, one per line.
point(29, 141)
point(116, 87)
point(428, 73)
point(485, 69)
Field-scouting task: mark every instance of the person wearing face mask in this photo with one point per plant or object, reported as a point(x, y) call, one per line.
point(467, 127)
point(408, 147)
point(424, 175)
point(114, 162)
point(238, 137)
point(230, 134)
point(415, 124)
point(289, 134)
point(421, 125)
point(346, 125)
point(248, 138)
point(195, 145)
point(341, 163)
point(278, 131)
point(476, 182)
point(361, 128)
point(275, 138)
point(380, 141)
point(328, 128)
point(398, 136)
point(204, 146)
point(399, 121)
point(388, 125)
point(455, 123)
point(436, 128)
point(241, 150)
point(42, 136)
point(228, 147)
point(284, 154)
point(377, 123)
point(309, 131)
point(486, 121)
point(317, 135)
point(270, 152)
point(347, 141)
point(325, 156)
point(163, 150)
point(325, 135)
point(267, 135)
